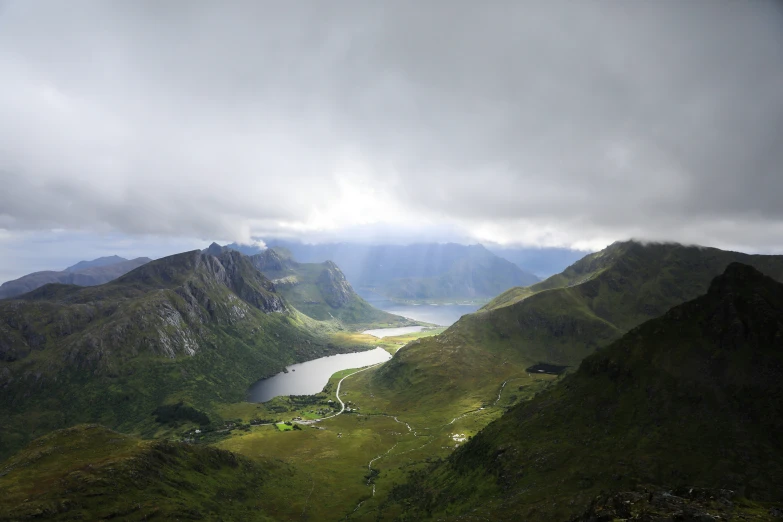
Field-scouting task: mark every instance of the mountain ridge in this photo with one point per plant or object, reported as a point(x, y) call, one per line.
point(561, 321)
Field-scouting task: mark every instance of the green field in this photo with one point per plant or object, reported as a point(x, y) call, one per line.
point(338, 452)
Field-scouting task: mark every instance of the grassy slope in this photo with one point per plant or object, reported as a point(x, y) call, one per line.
point(88, 473)
point(563, 320)
point(691, 399)
point(170, 331)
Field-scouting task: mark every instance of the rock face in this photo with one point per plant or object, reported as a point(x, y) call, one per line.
point(84, 273)
point(334, 288)
point(270, 261)
point(653, 504)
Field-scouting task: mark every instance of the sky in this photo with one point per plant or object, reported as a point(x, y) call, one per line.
point(145, 127)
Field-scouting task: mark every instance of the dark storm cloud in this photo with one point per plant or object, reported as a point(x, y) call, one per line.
point(537, 122)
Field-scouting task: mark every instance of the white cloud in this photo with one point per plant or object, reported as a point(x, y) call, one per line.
point(547, 124)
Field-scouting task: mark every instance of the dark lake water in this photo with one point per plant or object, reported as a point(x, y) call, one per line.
point(309, 378)
point(443, 315)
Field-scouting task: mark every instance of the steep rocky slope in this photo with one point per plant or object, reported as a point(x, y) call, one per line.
point(693, 399)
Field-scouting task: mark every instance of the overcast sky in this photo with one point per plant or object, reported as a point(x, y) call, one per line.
point(537, 123)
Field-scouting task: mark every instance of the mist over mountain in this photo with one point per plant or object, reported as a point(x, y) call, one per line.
point(543, 262)
point(418, 272)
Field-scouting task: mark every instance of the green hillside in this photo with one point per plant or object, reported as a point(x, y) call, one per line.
point(321, 291)
point(559, 321)
point(693, 399)
point(91, 473)
point(192, 328)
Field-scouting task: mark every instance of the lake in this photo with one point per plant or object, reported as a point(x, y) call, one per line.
point(443, 315)
point(380, 333)
point(309, 378)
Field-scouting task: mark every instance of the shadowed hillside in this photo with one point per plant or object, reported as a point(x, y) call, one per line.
point(693, 399)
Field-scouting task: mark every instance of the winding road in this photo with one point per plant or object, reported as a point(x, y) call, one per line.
point(337, 394)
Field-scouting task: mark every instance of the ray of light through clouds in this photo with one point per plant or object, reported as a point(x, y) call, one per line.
point(536, 123)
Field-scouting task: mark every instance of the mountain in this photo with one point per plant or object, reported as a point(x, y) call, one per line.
point(559, 321)
point(83, 273)
point(543, 262)
point(192, 328)
point(321, 291)
point(91, 473)
point(419, 272)
point(688, 401)
point(101, 261)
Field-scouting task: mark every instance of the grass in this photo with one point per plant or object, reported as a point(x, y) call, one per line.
point(77, 473)
point(339, 450)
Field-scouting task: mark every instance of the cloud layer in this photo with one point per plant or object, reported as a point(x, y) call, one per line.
point(561, 123)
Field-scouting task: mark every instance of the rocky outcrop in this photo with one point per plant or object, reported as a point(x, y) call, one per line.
point(653, 504)
point(269, 261)
point(334, 287)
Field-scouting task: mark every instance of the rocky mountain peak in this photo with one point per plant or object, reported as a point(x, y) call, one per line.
point(335, 288)
point(214, 249)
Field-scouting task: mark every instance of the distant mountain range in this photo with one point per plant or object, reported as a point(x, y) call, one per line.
point(83, 273)
point(543, 262)
point(419, 272)
point(679, 418)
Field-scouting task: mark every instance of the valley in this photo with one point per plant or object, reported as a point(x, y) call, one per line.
point(391, 261)
point(384, 429)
